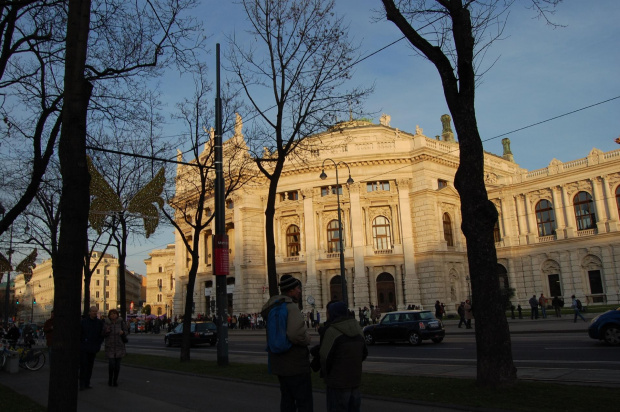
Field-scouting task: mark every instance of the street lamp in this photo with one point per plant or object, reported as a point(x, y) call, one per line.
point(323, 176)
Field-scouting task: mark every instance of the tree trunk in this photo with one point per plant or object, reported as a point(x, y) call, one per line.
point(122, 256)
point(74, 204)
point(270, 211)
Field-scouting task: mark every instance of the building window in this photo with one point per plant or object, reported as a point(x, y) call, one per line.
point(230, 204)
point(331, 190)
point(441, 183)
point(160, 269)
point(107, 282)
point(447, 229)
point(97, 294)
point(381, 234)
point(160, 283)
point(545, 218)
point(596, 283)
point(584, 211)
point(497, 236)
point(97, 282)
point(97, 271)
point(618, 199)
point(292, 241)
point(159, 298)
point(107, 307)
point(333, 240)
point(208, 212)
point(555, 289)
point(107, 295)
point(292, 195)
point(375, 186)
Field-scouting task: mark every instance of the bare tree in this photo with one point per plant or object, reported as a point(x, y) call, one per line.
point(293, 75)
point(195, 182)
point(453, 35)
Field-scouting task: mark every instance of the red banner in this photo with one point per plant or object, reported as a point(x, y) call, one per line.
point(220, 245)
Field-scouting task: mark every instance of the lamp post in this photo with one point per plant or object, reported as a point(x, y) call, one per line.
point(323, 176)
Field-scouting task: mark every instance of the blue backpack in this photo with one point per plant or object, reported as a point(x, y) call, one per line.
point(277, 341)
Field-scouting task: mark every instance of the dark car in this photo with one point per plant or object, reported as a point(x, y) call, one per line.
point(412, 326)
point(200, 332)
point(606, 326)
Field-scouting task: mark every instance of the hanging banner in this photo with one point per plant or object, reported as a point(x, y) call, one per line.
point(220, 245)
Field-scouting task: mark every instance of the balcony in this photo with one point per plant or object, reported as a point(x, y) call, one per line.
point(384, 252)
point(586, 232)
point(550, 238)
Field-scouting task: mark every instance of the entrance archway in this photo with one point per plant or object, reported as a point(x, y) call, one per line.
point(335, 288)
point(386, 292)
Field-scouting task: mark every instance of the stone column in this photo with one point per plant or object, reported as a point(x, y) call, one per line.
point(373, 284)
point(558, 213)
point(412, 282)
point(400, 299)
point(310, 251)
point(611, 205)
point(568, 212)
point(324, 288)
point(521, 219)
point(360, 285)
point(599, 205)
point(531, 221)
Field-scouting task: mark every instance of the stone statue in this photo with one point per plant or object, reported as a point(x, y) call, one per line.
point(446, 133)
point(507, 153)
point(418, 130)
point(238, 125)
point(385, 119)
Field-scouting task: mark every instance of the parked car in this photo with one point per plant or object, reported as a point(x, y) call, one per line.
point(201, 332)
point(412, 326)
point(606, 327)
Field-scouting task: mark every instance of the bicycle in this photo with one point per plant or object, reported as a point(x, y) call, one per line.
point(29, 358)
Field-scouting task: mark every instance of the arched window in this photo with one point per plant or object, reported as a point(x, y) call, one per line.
point(545, 218)
point(447, 229)
point(381, 234)
point(584, 211)
point(618, 199)
point(292, 241)
point(333, 239)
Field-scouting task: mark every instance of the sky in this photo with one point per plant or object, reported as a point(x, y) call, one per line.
point(540, 73)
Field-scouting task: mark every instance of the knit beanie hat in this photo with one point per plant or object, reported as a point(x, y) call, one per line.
point(287, 282)
point(337, 310)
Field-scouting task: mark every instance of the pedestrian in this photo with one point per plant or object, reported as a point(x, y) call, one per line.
point(91, 337)
point(48, 329)
point(576, 305)
point(461, 311)
point(342, 352)
point(557, 304)
point(377, 314)
point(437, 310)
point(13, 334)
point(542, 301)
point(520, 310)
point(28, 335)
point(293, 366)
point(469, 313)
point(533, 307)
point(115, 332)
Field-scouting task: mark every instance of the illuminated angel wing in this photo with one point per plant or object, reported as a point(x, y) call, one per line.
point(143, 202)
point(104, 199)
point(26, 265)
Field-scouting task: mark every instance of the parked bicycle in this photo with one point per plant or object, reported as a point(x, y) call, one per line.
point(29, 358)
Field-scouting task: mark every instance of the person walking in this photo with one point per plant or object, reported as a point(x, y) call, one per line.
point(576, 305)
point(557, 304)
point(293, 366)
point(542, 302)
point(342, 352)
point(469, 314)
point(115, 332)
point(91, 337)
point(48, 329)
point(438, 310)
point(533, 307)
point(461, 312)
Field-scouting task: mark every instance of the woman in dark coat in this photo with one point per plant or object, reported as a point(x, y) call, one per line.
point(115, 332)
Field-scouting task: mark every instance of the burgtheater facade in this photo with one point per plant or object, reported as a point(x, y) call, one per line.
point(557, 231)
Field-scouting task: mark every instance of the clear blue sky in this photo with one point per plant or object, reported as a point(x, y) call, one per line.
point(541, 73)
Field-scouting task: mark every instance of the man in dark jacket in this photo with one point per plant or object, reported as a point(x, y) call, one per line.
point(293, 366)
point(342, 352)
point(91, 338)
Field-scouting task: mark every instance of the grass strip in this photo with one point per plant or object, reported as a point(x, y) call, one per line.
point(524, 396)
point(14, 402)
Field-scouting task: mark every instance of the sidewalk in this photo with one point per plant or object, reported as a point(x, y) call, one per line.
point(153, 390)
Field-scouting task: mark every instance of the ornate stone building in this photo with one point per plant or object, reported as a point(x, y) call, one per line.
point(104, 289)
point(557, 232)
point(160, 281)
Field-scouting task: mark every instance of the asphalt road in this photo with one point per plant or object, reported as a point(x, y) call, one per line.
point(550, 350)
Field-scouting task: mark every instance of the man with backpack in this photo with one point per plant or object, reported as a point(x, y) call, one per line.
point(287, 344)
point(577, 307)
